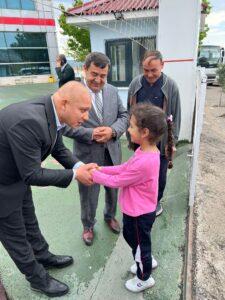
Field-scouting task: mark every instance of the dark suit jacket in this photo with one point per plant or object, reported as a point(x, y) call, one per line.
point(66, 75)
point(27, 136)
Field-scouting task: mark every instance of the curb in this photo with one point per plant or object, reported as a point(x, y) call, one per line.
point(188, 263)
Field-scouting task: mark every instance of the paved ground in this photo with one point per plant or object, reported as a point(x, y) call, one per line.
point(99, 271)
point(209, 267)
point(2, 292)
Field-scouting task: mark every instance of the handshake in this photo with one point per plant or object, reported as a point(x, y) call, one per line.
point(84, 173)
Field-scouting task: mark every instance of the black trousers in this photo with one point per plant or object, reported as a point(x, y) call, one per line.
point(162, 176)
point(137, 233)
point(21, 237)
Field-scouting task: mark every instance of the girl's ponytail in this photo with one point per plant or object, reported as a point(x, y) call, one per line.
point(170, 142)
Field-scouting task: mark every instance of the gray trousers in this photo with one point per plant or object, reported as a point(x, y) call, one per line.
point(89, 200)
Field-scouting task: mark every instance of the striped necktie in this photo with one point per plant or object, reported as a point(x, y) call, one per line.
point(99, 107)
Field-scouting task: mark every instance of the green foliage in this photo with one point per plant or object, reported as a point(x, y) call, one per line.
point(206, 9)
point(79, 44)
point(221, 76)
point(203, 34)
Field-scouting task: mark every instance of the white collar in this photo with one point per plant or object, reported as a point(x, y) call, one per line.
point(58, 124)
point(63, 67)
point(93, 93)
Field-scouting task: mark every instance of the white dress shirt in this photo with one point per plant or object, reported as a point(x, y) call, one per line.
point(93, 96)
point(60, 126)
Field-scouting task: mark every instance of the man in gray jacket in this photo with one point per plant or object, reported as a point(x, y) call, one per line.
point(97, 140)
point(158, 89)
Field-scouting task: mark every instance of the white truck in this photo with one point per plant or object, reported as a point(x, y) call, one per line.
point(210, 57)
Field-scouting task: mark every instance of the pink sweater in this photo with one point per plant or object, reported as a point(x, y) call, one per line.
point(138, 180)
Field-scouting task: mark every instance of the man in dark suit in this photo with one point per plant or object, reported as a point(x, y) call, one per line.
point(29, 132)
point(97, 140)
point(64, 71)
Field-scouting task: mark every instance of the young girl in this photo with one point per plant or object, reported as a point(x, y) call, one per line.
point(138, 180)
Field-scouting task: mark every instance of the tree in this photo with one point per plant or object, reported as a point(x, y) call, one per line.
point(221, 80)
point(206, 9)
point(79, 44)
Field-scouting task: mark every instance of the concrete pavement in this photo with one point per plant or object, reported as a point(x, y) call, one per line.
point(99, 272)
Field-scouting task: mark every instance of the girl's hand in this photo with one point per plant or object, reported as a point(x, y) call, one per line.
point(95, 169)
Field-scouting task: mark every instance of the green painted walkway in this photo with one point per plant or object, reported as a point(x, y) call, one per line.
point(92, 275)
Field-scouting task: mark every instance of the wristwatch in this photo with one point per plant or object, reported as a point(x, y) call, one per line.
point(114, 133)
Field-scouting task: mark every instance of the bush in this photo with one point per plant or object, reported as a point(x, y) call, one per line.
point(221, 76)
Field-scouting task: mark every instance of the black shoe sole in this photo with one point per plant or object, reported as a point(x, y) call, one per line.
point(88, 243)
point(110, 228)
point(50, 294)
point(58, 266)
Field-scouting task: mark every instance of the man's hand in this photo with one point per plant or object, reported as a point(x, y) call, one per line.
point(95, 169)
point(102, 134)
point(83, 173)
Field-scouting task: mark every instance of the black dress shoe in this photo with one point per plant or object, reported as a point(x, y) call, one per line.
point(57, 261)
point(113, 225)
point(52, 288)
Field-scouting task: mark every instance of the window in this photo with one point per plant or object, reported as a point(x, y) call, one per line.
point(5, 71)
point(4, 58)
point(30, 69)
point(2, 3)
point(2, 40)
point(17, 4)
point(13, 4)
point(25, 39)
point(23, 53)
point(126, 56)
point(28, 55)
point(120, 56)
point(27, 5)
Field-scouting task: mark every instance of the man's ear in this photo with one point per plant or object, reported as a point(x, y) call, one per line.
point(63, 105)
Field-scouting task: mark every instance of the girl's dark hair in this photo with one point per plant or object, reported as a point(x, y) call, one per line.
point(154, 118)
point(151, 117)
point(170, 142)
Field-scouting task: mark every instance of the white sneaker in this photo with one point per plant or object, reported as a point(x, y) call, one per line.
point(133, 268)
point(136, 285)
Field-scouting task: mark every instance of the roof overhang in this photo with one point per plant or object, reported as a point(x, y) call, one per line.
point(129, 15)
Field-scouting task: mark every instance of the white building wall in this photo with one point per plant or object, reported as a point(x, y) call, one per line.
point(133, 28)
point(177, 38)
point(43, 10)
point(119, 30)
point(179, 23)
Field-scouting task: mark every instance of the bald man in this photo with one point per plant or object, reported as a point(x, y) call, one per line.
point(29, 132)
